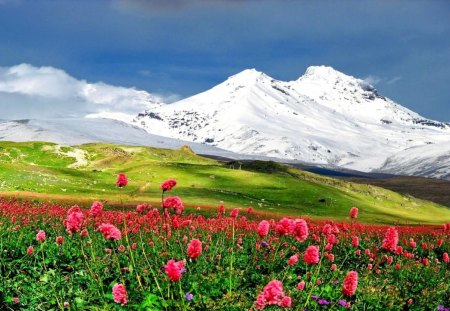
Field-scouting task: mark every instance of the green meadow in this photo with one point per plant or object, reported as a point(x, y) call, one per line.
point(46, 171)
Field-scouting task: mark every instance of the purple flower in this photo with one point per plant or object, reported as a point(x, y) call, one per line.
point(315, 297)
point(189, 296)
point(264, 243)
point(323, 302)
point(342, 303)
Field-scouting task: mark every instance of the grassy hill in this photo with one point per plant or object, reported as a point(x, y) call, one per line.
point(88, 172)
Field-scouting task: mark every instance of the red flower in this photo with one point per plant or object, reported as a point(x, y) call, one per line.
point(300, 230)
point(122, 180)
point(174, 203)
point(311, 255)
point(74, 221)
point(293, 260)
point(194, 249)
point(96, 209)
point(350, 284)
point(84, 233)
point(285, 226)
point(263, 228)
point(30, 250)
point(174, 269)
point(234, 213)
point(168, 185)
point(120, 294)
point(354, 212)
point(272, 294)
point(301, 285)
point(286, 302)
point(355, 241)
point(110, 232)
point(445, 258)
point(142, 207)
point(40, 236)
point(59, 240)
point(390, 240)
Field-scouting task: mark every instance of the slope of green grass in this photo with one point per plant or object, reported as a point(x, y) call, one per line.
point(89, 172)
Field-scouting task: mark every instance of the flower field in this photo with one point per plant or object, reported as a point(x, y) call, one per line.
point(166, 257)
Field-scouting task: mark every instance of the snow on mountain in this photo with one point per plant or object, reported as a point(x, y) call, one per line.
point(324, 117)
point(76, 131)
point(432, 160)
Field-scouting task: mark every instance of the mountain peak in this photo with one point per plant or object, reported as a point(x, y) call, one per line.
point(248, 75)
point(324, 73)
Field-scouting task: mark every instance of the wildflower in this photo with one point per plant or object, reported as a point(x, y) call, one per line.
point(333, 267)
point(121, 248)
point(66, 304)
point(30, 250)
point(445, 258)
point(263, 228)
point(96, 209)
point(59, 240)
point(16, 299)
point(40, 236)
point(141, 208)
point(355, 241)
point(234, 213)
point(174, 203)
point(189, 296)
point(354, 212)
point(390, 240)
point(301, 285)
point(285, 226)
point(323, 302)
point(174, 269)
point(286, 302)
point(84, 233)
point(249, 210)
point(300, 230)
point(168, 185)
point(194, 249)
point(342, 303)
point(311, 255)
point(119, 294)
point(74, 221)
point(122, 180)
point(350, 284)
point(293, 260)
point(110, 232)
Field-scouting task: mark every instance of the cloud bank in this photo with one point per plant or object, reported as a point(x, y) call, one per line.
point(45, 92)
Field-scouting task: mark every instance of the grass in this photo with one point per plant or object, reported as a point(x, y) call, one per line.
point(49, 171)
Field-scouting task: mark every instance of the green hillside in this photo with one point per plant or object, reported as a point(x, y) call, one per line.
point(88, 172)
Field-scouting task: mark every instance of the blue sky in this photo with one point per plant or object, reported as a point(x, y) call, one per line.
point(184, 47)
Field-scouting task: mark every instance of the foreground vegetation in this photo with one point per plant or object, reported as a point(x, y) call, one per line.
point(167, 259)
point(83, 174)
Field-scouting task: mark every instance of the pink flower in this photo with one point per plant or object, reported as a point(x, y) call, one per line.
point(110, 232)
point(84, 233)
point(59, 240)
point(30, 250)
point(74, 221)
point(390, 240)
point(16, 299)
point(311, 255)
point(354, 212)
point(122, 180)
point(350, 284)
point(263, 228)
point(120, 294)
point(194, 249)
point(333, 267)
point(293, 260)
point(300, 230)
point(174, 269)
point(355, 241)
point(174, 203)
point(301, 285)
point(286, 302)
point(96, 209)
point(168, 185)
point(141, 208)
point(40, 236)
point(234, 213)
point(445, 258)
point(285, 227)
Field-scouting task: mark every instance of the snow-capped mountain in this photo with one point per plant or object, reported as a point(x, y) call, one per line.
point(324, 117)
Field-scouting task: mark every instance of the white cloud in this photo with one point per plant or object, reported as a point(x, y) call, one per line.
point(31, 92)
point(394, 80)
point(372, 80)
